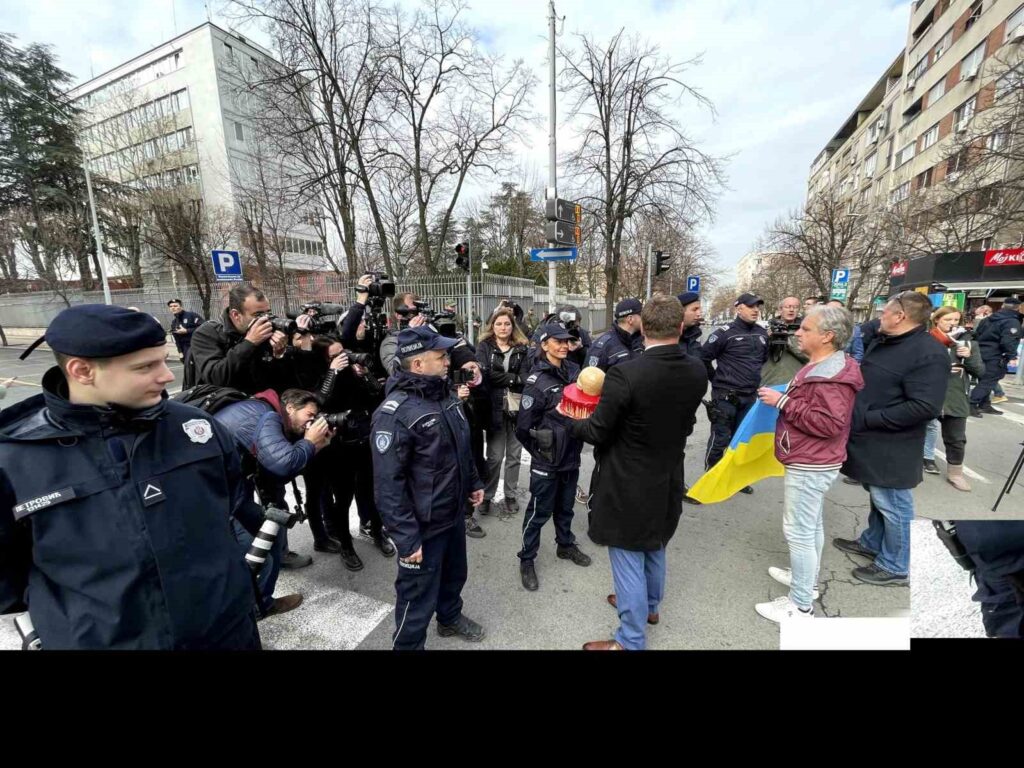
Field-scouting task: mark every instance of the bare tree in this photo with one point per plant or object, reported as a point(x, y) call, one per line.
point(633, 158)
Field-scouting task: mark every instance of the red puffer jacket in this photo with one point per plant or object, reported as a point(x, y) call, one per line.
point(816, 412)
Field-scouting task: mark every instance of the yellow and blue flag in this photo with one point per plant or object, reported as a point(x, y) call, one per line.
point(749, 458)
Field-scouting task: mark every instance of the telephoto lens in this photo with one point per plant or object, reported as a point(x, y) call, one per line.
point(274, 518)
point(335, 420)
point(29, 638)
point(332, 309)
point(287, 327)
point(360, 358)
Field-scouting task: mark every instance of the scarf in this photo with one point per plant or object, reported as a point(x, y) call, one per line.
point(940, 336)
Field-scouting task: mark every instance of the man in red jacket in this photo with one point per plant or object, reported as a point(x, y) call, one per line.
point(810, 440)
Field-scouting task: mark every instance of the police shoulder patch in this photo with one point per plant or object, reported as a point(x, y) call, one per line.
point(527, 402)
point(198, 430)
point(382, 441)
point(592, 362)
point(713, 338)
point(533, 379)
point(390, 406)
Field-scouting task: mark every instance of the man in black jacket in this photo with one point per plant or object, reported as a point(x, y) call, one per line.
point(905, 373)
point(647, 410)
point(241, 350)
point(183, 326)
point(693, 318)
point(998, 338)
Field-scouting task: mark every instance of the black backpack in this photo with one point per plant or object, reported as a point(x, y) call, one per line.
point(209, 397)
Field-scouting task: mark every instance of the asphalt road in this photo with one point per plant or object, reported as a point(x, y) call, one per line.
point(940, 590)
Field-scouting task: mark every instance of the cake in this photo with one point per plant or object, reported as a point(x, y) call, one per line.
point(579, 400)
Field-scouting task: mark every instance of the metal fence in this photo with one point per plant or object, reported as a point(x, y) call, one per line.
point(37, 309)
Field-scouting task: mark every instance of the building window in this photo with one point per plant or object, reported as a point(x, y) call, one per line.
point(971, 65)
point(1015, 20)
point(999, 140)
point(870, 164)
point(919, 69)
point(906, 154)
point(964, 112)
point(239, 133)
point(901, 193)
point(937, 92)
point(943, 45)
point(930, 137)
point(924, 180)
point(956, 164)
point(229, 52)
point(975, 14)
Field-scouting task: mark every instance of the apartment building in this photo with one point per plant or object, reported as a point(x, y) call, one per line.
point(175, 116)
point(895, 142)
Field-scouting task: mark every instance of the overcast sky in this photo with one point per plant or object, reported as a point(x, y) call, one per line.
point(783, 74)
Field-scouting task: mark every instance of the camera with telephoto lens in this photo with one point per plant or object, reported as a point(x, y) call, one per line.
point(285, 326)
point(335, 421)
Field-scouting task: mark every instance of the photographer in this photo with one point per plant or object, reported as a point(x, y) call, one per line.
point(243, 350)
point(409, 318)
point(579, 340)
point(344, 470)
point(785, 356)
point(276, 437)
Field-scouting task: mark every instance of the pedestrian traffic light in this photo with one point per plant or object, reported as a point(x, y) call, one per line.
point(661, 265)
point(462, 256)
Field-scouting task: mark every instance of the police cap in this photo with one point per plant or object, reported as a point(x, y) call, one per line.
point(628, 307)
point(416, 341)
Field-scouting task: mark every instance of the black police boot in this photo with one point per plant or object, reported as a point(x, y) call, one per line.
point(689, 499)
point(930, 467)
point(853, 547)
point(465, 628)
point(529, 575)
point(975, 411)
point(350, 559)
point(990, 409)
point(383, 543)
point(573, 553)
point(330, 544)
point(473, 529)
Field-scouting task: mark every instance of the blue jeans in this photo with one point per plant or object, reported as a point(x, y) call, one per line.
point(888, 532)
point(267, 578)
point(804, 528)
point(931, 438)
point(639, 588)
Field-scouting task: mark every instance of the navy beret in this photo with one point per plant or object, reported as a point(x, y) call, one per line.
point(99, 330)
point(688, 298)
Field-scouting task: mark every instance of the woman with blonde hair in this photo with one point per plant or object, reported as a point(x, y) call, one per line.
point(501, 352)
point(964, 361)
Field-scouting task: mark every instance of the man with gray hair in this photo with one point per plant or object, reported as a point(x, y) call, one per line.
point(905, 373)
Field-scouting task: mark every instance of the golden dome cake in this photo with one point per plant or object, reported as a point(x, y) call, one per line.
point(580, 400)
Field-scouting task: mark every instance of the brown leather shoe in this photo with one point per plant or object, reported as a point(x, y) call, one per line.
point(652, 618)
point(603, 645)
point(284, 604)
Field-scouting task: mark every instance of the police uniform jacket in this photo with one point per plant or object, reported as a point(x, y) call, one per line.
point(690, 341)
point(613, 347)
point(999, 335)
point(120, 523)
point(541, 395)
point(423, 470)
point(187, 320)
point(739, 350)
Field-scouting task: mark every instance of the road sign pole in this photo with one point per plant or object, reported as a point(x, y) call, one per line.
point(469, 289)
point(552, 149)
point(650, 252)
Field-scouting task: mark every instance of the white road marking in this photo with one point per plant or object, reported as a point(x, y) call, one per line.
point(967, 470)
point(1009, 416)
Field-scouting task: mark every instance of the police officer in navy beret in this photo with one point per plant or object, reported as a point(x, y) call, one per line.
point(693, 317)
point(423, 474)
point(623, 341)
point(116, 503)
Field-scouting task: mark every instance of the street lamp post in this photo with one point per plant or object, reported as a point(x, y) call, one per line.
point(97, 236)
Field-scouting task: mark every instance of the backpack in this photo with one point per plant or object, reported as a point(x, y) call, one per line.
point(209, 397)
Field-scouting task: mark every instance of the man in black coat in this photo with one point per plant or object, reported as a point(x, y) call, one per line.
point(905, 373)
point(998, 338)
point(647, 410)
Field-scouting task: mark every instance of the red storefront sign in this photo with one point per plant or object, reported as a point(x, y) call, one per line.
point(899, 269)
point(1005, 258)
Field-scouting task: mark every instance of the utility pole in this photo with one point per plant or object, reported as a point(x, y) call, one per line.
point(650, 254)
point(553, 152)
point(469, 288)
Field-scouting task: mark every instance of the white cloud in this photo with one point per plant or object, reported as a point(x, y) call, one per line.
point(783, 74)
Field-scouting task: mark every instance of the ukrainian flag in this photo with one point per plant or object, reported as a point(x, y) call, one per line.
point(749, 458)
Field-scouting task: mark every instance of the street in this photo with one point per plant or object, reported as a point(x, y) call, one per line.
point(940, 590)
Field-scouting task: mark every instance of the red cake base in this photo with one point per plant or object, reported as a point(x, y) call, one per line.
point(577, 403)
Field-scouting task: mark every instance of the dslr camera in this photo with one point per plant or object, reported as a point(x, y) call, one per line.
point(285, 326)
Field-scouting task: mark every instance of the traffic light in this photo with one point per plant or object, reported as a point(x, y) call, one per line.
point(661, 265)
point(462, 256)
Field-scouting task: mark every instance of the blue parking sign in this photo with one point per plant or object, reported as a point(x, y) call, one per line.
point(693, 284)
point(227, 266)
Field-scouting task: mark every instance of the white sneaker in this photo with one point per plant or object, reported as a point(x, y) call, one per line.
point(781, 609)
point(785, 577)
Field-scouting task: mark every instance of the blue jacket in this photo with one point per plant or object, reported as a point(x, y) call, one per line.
point(690, 341)
point(613, 347)
point(740, 350)
point(855, 348)
point(258, 431)
point(997, 548)
point(423, 470)
point(999, 335)
point(118, 524)
point(541, 395)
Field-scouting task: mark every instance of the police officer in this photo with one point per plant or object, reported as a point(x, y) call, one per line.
point(555, 467)
point(579, 343)
point(183, 326)
point(993, 550)
point(997, 338)
point(739, 350)
point(115, 503)
point(423, 473)
point(693, 316)
point(623, 341)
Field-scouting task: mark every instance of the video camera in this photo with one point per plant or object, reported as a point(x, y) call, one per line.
point(382, 287)
point(779, 334)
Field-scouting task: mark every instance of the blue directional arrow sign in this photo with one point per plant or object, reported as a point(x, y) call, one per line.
point(693, 284)
point(553, 254)
point(227, 266)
